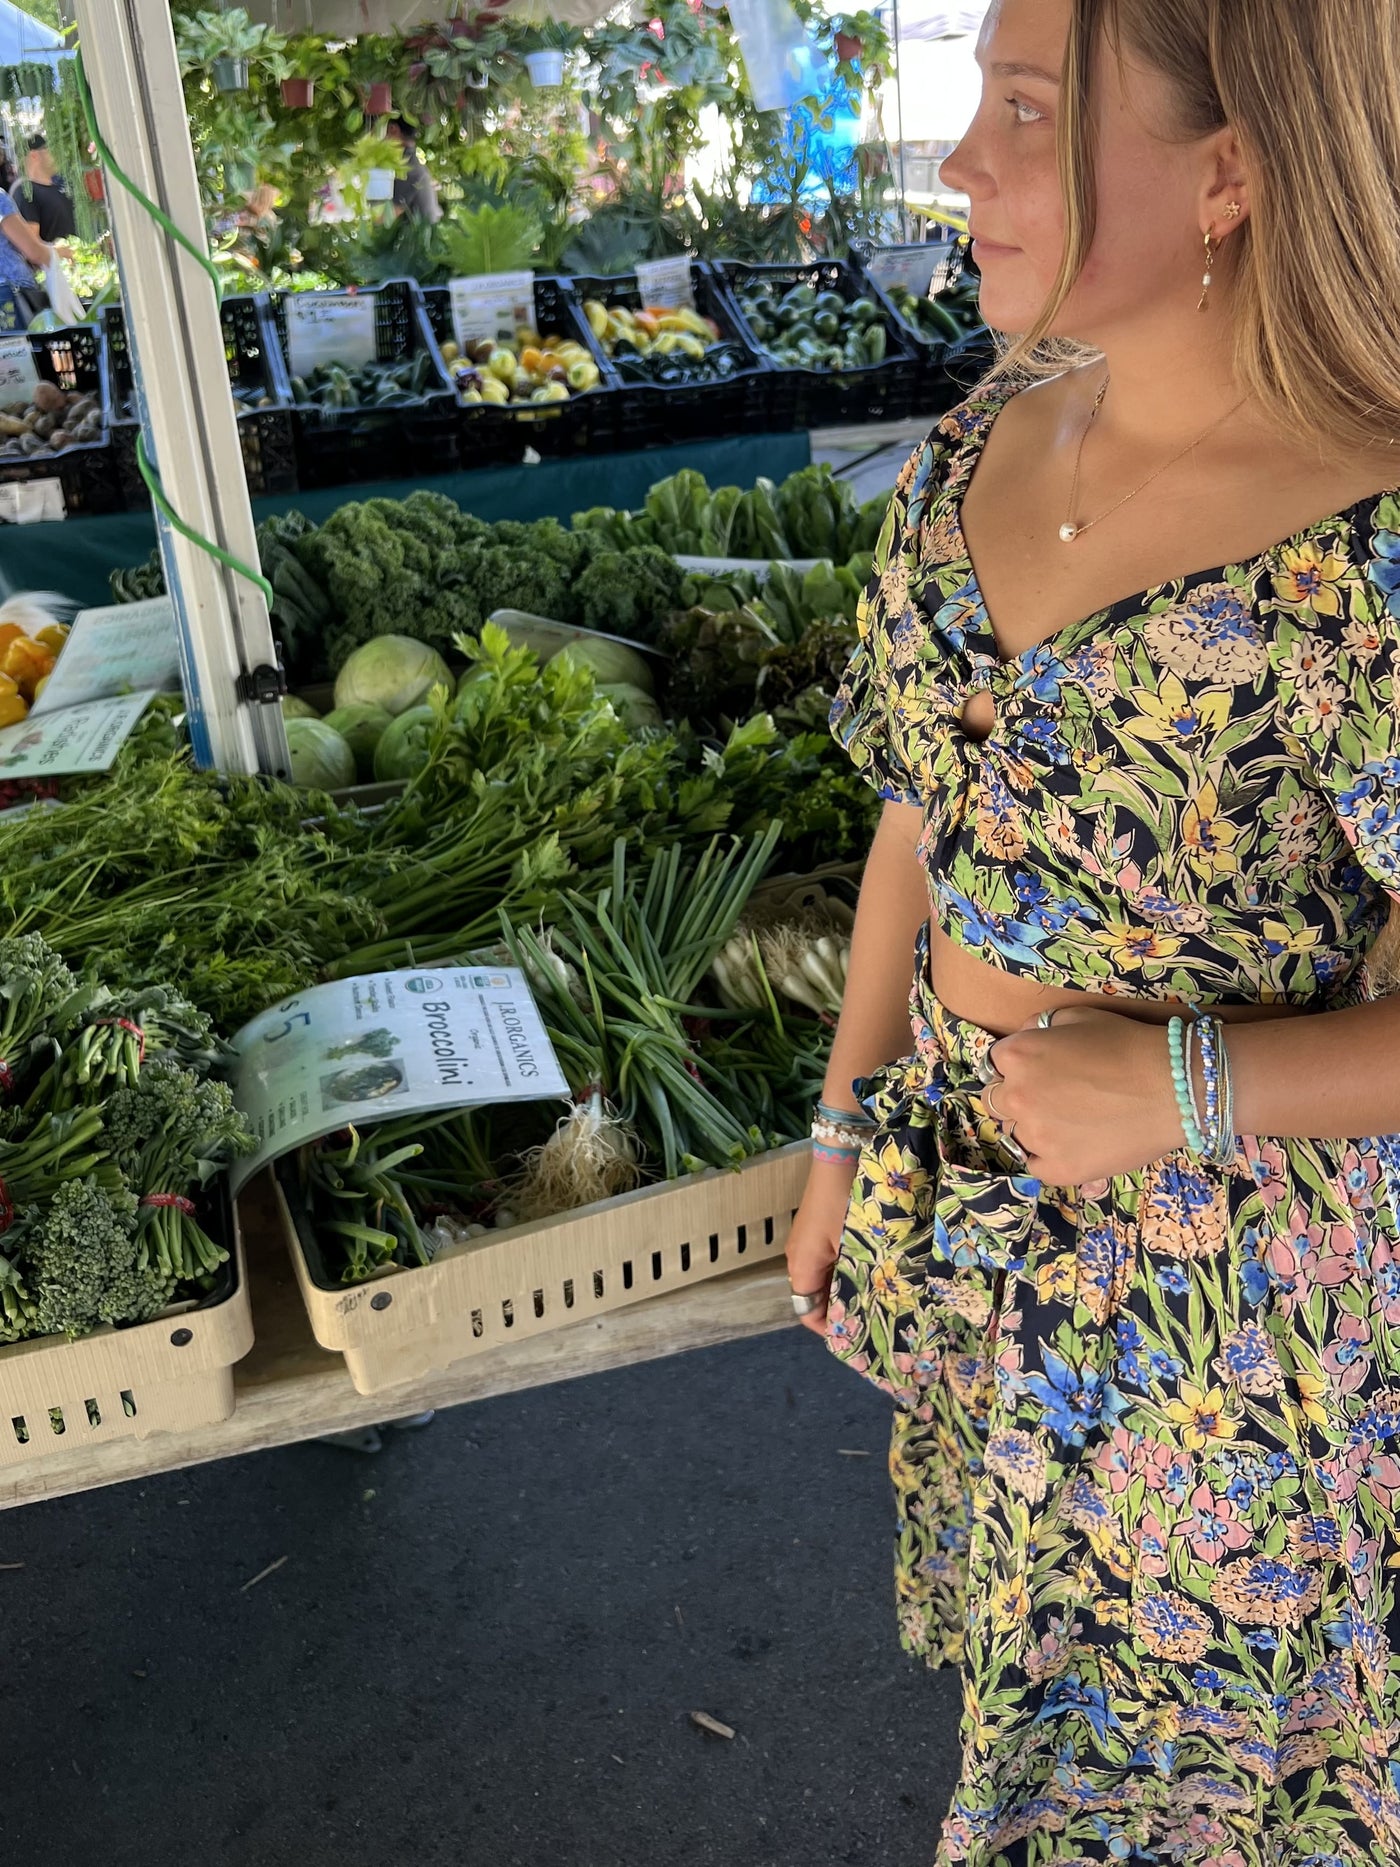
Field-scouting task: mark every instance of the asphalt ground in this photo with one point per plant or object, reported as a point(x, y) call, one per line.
point(483, 1646)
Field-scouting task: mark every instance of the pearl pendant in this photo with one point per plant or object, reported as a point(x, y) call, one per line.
point(1068, 533)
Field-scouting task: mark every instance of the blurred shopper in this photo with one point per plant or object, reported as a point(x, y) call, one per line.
point(415, 193)
point(43, 198)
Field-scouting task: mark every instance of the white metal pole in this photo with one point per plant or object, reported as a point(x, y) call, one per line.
point(187, 415)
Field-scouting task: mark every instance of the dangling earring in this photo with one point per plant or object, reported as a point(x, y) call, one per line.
point(1210, 265)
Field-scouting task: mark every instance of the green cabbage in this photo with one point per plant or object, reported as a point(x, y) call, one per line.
point(361, 727)
point(402, 751)
point(613, 663)
point(393, 672)
point(321, 760)
point(295, 708)
point(633, 707)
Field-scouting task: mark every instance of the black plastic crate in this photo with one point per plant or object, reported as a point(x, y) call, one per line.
point(940, 358)
point(267, 435)
point(656, 414)
point(74, 358)
point(338, 446)
point(493, 433)
point(820, 398)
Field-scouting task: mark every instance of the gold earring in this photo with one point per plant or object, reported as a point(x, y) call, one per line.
point(1210, 266)
point(1234, 211)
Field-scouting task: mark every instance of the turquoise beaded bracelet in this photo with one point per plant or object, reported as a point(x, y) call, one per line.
point(1181, 1083)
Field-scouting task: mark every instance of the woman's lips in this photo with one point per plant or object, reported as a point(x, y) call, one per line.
point(984, 248)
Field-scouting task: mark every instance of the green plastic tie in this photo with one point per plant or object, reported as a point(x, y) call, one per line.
point(163, 220)
point(163, 505)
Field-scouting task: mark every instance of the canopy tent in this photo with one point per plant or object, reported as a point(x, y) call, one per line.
point(346, 18)
point(25, 40)
point(937, 85)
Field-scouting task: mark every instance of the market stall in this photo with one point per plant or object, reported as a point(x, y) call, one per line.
point(422, 963)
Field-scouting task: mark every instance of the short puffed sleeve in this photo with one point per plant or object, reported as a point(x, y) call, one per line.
point(1335, 650)
point(865, 716)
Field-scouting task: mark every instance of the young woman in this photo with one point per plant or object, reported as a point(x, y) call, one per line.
point(1123, 1244)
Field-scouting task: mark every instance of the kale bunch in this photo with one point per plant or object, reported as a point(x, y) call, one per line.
point(628, 592)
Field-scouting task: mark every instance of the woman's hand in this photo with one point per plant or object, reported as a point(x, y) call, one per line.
point(1089, 1098)
point(815, 1237)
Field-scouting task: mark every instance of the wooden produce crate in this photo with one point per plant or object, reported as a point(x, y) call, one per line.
point(508, 1285)
point(162, 1376)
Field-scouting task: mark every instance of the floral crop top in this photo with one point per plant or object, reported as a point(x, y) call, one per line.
point(1192, 793)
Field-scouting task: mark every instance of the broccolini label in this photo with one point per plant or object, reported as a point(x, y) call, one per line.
point(386, 1045)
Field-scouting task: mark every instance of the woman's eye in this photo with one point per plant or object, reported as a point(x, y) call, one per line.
point(1025, 113)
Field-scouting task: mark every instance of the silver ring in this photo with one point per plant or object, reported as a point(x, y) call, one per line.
point(804, 1306)
point(987, 1101)
point(1046, 1020)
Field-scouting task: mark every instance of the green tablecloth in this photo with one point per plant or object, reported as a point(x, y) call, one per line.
point(77, 555)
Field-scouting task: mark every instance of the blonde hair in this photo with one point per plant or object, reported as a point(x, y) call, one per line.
point(1311, 89)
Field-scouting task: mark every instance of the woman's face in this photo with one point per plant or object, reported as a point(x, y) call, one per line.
point(1147, 250)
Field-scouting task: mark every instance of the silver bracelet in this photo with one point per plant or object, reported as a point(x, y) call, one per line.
point(838, 1134)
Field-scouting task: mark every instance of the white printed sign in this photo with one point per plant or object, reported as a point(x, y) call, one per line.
point(32, 502)
point(18, 375)
point(494, 305)
point(328, 327)
point(120, 650)
point(914, 270)
point(666, 282)
point(79, 739)
point(389, 1044)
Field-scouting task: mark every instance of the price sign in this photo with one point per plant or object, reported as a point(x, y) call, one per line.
point(666, 282)
point(328, 327)
point(31, 502)
point(914, 270)
point(18, 376)
point(493, 305)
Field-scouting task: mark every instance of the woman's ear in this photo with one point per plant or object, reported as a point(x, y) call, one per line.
point(1225, 198)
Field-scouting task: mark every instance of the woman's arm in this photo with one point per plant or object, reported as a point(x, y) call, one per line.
point(25, 239)
point(874, 1029)
point(1327, 1077)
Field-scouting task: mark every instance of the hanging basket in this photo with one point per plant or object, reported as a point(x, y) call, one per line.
point(545, 68)
point(298, 93)
point(379, 98)
point(230, 74)
point(848, 47)
point(96, 184)
point(379, 185)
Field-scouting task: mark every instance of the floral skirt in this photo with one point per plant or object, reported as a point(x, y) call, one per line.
point(1146, 1460)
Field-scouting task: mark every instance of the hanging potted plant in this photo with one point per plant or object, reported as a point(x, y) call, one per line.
point(95, 182)
point(379, 98)
point(860, 36)
point(299, 93)
point(451, 61)
point(545, 50)
point(224, 44)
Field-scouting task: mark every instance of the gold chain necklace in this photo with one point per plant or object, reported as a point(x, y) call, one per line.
point(1072, 529)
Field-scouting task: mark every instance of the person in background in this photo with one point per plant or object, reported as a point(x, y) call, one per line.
point(415, 193)
point(42, 197)
point(22, 255)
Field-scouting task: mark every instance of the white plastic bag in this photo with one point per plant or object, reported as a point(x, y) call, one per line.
point(63, 300)
point(782, 65)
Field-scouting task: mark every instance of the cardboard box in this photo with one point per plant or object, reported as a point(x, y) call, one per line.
point(510, 1284)
point(159, 1376)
